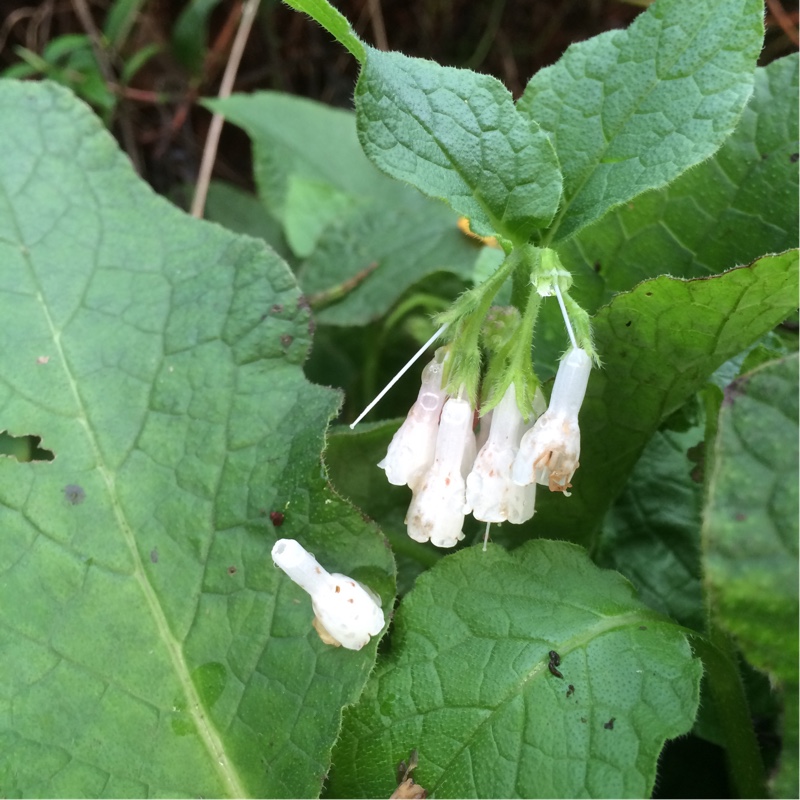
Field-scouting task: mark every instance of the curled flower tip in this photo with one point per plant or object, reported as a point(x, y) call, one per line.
point(411, 450)
point(491, 494)
point(549, 451)
point(436, 512)
point(347, 613)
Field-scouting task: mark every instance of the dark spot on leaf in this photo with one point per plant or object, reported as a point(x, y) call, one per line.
point(583, 719)
point(276, 309)
point(570, 690)
point(648, 294)
point(74, 494)
point(643, 627)
point(287, 339)
point(740, 516)
point(628, 324)
point(609, 726)
point(555, 660)
point(154, 555)
point(302, 302)
point(764, 156)
point(277, 518)
point(596, 266)
point(793, 157)
point(231, 570)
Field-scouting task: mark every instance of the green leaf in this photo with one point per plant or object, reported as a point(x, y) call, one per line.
point(189, 34)
point(659, 343)
point(750, 530)
point(727, 211)
point(652, 533)
point(397, 246)
point(149, 645)
point(456, 135)
point(467, 683)
point(242, 212)
point(631, 110)
point(367, 238)
point(295, 138)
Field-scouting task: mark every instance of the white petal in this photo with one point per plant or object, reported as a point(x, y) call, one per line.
point(436, 512)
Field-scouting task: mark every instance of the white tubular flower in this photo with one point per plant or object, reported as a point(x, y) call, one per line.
point(491, 494)
point(411, 450)
point(549, 451)
point(344, 609)
point(436, 512)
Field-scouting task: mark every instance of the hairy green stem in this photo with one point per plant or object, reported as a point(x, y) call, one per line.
point(745, 766)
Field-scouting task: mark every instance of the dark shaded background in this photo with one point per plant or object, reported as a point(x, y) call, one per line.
point(286, 51)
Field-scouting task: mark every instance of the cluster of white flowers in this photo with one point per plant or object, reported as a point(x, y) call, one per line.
point(347, 613)
point(435, 453)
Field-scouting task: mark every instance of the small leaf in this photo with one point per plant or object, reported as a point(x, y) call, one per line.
point(631, 110)
point(727, 211)
point(468, 683)
point(456, 135)
point(149, 645)
point(659, 343)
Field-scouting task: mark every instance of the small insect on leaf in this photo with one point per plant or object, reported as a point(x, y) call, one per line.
point(555, 660)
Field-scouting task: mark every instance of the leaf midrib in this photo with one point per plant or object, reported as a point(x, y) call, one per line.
point(208, 734)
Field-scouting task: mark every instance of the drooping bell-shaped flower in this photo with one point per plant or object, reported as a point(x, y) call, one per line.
point(549, 451)
point(347, 614)
point(491, 494)
point(436, 512)
point(411, 450)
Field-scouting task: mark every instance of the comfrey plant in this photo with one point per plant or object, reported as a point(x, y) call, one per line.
point(149, 646)
point(434, 452)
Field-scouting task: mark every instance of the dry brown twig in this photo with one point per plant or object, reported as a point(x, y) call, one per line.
point(217, 121)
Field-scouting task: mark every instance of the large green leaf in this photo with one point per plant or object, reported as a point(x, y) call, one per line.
point(652, 533)
point(750, 532)
point(467, 683)
point(631, 110)
point(149, 646)
point(659, 344)
point(727, 211)
point(456, 135)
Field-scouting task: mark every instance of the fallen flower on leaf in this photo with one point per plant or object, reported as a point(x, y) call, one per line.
point(347, 613)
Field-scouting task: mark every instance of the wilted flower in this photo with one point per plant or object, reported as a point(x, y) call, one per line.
point(347, 613)
point(436, 512)
point(491, 494)
point(411, 450)
point(549, 452)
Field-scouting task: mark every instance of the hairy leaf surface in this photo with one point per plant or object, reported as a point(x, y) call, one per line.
point(149, 645)
point(630, 110)
point(467, 683)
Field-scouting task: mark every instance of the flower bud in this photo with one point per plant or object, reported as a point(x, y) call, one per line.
point(436, 512)
point(549, 451)
point(412, 448)
point(345, 610)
